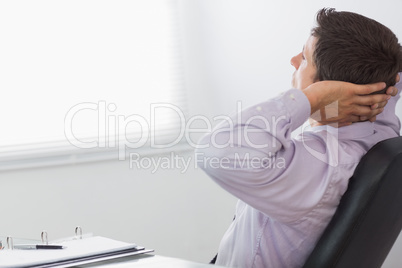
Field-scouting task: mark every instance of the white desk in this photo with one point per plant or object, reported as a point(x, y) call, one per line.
point(147, 261)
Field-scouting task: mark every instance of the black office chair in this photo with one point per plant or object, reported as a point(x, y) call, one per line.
point(369, 217)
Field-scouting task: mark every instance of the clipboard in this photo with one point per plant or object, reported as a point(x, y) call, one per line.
point(77, 250)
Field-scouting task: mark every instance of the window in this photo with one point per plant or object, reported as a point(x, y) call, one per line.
point(92, 74)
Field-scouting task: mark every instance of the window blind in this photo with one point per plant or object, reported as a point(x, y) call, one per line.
point(88, 77)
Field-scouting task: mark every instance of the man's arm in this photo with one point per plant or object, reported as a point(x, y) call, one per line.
point(342, 103)
point(346, 103)
point(253, 156)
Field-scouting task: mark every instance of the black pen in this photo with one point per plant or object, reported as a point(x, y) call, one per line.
point(38, 247)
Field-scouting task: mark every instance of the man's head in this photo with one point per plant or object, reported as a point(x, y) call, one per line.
point(348, 47)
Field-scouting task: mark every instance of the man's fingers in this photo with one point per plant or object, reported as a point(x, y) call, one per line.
point(353, 118)
point(350, 103)
point(371, 100)
point(392, 91)
point(372, 119)
point(379, 105)
point(372, 116)
point(370, 88)
point(336, 119)
point(367, 112)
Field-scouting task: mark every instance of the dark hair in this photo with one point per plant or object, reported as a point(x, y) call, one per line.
point(354, 48)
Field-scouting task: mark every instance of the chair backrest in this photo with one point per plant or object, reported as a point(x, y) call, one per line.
point(369, 216)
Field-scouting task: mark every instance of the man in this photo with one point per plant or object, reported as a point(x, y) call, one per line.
point(289, 188)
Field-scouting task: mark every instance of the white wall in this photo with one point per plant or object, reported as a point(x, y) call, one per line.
point(235, 50)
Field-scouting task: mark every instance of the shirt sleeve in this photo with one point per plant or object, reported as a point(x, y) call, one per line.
point(252, 156)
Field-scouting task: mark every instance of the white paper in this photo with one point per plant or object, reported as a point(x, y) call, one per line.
point(74, 249)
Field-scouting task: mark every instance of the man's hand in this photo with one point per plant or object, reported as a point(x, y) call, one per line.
point(392, 91)
point(341, 103)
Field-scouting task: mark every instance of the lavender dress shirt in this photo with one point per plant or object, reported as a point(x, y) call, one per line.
point(288, 187)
